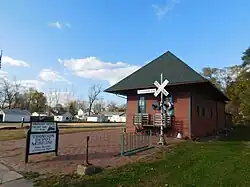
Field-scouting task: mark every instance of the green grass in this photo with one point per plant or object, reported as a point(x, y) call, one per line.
point(224, 162)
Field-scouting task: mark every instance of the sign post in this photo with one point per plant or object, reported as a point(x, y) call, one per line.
point(161, 89)
point(42, 137)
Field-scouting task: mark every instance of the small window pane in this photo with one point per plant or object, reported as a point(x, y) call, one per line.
point(198, 110)
point(142, 105)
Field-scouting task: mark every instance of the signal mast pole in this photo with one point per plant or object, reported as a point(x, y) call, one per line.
point(162, 139)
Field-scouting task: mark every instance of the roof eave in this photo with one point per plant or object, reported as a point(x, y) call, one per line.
point(114, 91)
point(224, 95)
point(125, 90)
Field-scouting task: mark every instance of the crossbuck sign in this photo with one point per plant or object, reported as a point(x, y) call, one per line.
point(161, 88)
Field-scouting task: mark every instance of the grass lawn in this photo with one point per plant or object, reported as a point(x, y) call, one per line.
point(21, 133)
point(224, 162)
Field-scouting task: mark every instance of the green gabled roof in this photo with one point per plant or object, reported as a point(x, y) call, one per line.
point(173, 69)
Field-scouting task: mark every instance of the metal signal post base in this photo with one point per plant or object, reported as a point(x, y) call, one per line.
point(162, 140)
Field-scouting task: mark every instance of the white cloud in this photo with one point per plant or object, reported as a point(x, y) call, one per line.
point(50, 75)
point(59, 25)
point(93, 68)
point(162, 10)
point(13, 62)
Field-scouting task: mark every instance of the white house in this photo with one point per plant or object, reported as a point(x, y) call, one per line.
point(38, 114)
point(123, 117)
point(81, 115)
point(115, 116)
point(97, 118)
point(80, 112)
point(14, 115)
point(67, 116)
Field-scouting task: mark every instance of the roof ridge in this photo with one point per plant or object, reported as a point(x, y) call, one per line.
point(139, 69)
point(172, 55)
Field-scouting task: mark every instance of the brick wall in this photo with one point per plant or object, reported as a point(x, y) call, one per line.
point(208, 124)
point(221, 115)
point(131, 110)
point(181, 104)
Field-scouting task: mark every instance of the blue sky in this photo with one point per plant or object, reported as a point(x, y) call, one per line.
point(69, 45)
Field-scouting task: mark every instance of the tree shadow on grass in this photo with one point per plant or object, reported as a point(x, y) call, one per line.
point(239, 133)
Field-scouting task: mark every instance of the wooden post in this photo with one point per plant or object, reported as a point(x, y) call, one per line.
point(57, 139)
point(87, 151)
point(22, 122)
point(122, 143)
point(26, 159)
point(150, 137)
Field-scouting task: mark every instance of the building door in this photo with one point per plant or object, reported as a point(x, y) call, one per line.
point(142, 104)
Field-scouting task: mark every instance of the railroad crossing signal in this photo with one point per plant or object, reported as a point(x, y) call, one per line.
point(161, 88)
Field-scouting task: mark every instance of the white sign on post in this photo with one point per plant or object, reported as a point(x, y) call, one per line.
point(145, 91)
point(42, 137)
point(42, 143)
point(43, 127)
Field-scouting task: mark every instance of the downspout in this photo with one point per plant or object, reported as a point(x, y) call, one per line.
point(190, 115)
point(125, 129)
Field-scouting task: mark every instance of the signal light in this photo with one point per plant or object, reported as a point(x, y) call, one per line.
point(156, 106)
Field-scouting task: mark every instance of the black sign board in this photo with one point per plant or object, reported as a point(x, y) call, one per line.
point(42, 137)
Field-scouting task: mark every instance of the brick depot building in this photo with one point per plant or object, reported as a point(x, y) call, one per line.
point(199, 107)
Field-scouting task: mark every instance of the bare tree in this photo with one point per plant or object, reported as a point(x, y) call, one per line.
point(9, 93)
point(122, 108)
point(52, 99)
point(68, 97)
point(112, 107)
point(81, 104)
point(94, 91)
point(99, 106)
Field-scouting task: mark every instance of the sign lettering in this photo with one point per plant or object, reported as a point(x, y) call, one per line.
point(42, 143)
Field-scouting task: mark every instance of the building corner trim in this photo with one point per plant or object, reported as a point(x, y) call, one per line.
point(190, 115)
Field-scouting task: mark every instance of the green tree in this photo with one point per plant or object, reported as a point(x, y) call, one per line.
point(246, 58)
point(38, 102)
point(239, 91)
point(235, 82)
point(34, 101)
point(59, 108)
point(72, 107)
